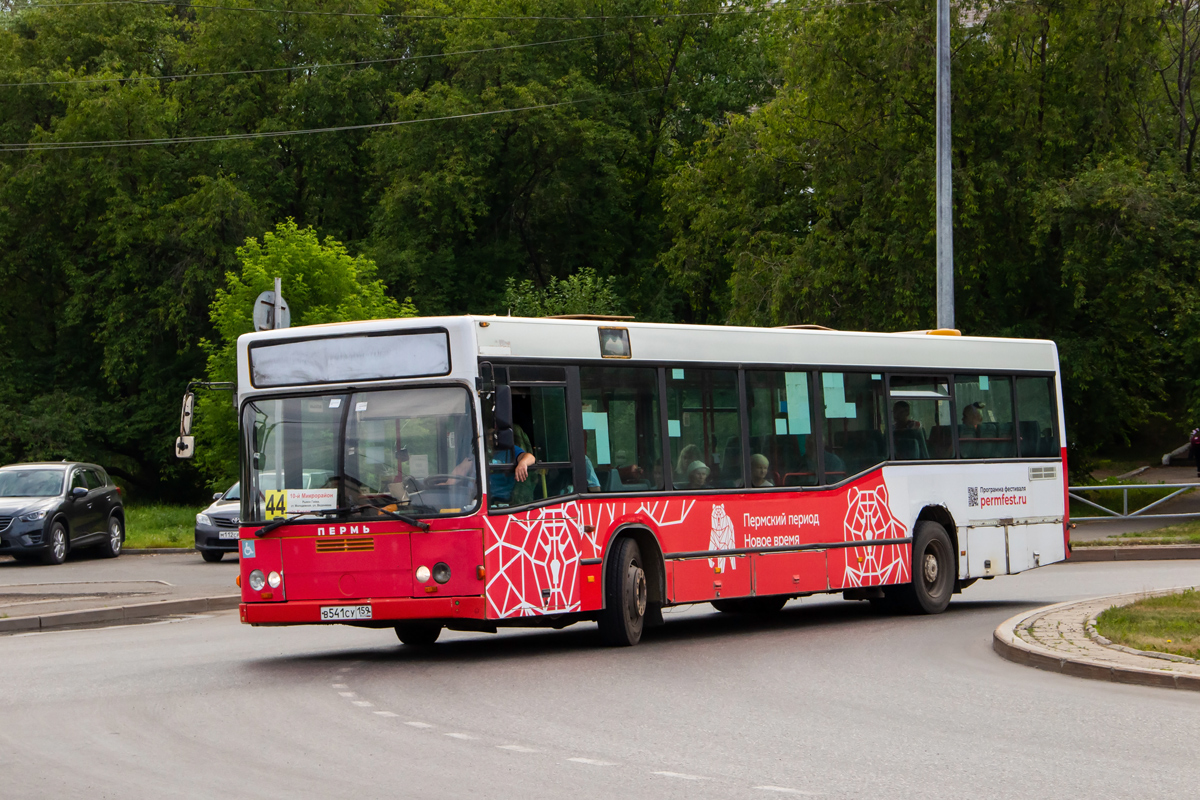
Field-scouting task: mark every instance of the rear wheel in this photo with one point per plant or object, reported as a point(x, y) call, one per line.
point(758, 606)
point(111, 546)
point(56, 551)
point(418, 634)
point(212, 556)
point(933, 570)
point(624, 614)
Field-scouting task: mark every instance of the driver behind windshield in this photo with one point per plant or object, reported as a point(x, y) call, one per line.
point(500, 482)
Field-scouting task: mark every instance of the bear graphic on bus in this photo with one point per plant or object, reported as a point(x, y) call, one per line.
point(722, 537)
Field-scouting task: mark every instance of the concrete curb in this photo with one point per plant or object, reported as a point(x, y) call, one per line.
point(1161, 552)
point(118, 614)
point(1010, 646)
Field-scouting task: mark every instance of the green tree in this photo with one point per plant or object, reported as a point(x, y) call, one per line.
point(585, 292)
point(322, 283)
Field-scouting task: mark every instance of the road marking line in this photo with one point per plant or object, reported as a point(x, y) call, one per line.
point(386, 714)
point(459, 735)
point(516, 748)
point(683, 776)
point(363, 703)
point(786, 790)
point(419, 724)
point(594, 762)
point(338, 686)
point(348, 694)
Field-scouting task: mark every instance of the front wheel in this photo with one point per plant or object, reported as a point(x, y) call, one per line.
point(112, 544)
point(418, 634)
point(933, 570)
point(624, 614)
point(56, 540)
point(212, 556)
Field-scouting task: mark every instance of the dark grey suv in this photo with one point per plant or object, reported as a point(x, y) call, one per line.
point(217, 525)
point(48, 509)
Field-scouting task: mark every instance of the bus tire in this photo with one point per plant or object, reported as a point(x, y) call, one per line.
point(933, 570)
point(624, 614)
point(757, 606)
point(418, 634)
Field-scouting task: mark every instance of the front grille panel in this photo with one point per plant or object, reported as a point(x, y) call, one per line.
point(224, 522)
point(5, 522)
point(360, 544)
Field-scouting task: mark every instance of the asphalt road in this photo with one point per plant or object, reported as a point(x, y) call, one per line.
point(828, 700)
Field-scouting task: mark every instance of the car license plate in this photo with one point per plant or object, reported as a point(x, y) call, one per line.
point(227, 534)
point(338, 613)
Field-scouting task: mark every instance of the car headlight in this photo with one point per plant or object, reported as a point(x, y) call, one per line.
point(33, 516)
point(202, 519)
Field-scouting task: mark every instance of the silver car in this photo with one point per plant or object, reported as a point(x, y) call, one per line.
point(217, 525)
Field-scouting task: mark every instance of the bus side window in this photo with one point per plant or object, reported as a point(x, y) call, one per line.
point(985, 416)
point(781, 429)
point(540, 428)
point(704, 426)
point(621, 428)
point(1035, 404)
point(853, 423)
point(921, 417)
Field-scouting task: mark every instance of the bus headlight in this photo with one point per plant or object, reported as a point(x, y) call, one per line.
point(274, 579)
point(257, 580)
point(422, 574)
point(441, 572)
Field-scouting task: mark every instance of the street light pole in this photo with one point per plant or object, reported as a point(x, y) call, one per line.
point(944, 202)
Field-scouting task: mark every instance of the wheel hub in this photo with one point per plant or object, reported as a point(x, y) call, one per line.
point(931, 568)
point(637, 595)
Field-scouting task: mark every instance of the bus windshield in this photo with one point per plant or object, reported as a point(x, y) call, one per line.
point(405, 450)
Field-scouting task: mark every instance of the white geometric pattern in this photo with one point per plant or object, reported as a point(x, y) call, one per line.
point(533, 561)
point(870, 517)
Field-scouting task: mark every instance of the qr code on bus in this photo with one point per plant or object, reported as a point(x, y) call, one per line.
point(973, 496)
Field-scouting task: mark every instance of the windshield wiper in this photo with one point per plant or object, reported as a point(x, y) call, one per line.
point(328, 512)
point(279, 523)
point(413, 521)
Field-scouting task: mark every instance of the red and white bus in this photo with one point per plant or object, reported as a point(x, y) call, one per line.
point(476, 472)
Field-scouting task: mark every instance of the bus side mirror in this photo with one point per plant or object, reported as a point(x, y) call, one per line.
point(185, 415)
point(185, 446)
point(504, 417)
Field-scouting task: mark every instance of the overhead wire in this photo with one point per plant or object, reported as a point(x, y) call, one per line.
point(773, 8)
point(93, 145)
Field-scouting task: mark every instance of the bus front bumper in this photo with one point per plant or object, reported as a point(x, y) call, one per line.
point(308, 612)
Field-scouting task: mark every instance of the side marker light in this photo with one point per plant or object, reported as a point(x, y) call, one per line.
point(480, 572)
point(238, 581)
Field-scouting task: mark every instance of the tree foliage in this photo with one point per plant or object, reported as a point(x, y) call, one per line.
point(1075, 202)
point(321, 282)
point(585, 292)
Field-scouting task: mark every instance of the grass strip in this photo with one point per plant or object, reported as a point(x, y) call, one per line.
point(160, 525)
point(1182, 533)
point(1168, 624)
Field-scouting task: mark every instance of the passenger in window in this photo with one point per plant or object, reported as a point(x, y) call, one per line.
point(901, 417)
point(972, 419)
point(690, 453)
point(593, 480)
point(760, 468)
point(697, 475)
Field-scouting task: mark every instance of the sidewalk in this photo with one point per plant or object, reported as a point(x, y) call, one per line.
point(1062, 638)
point(89, 590)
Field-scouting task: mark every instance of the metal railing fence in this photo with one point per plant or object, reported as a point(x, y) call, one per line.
point(1180, 488)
